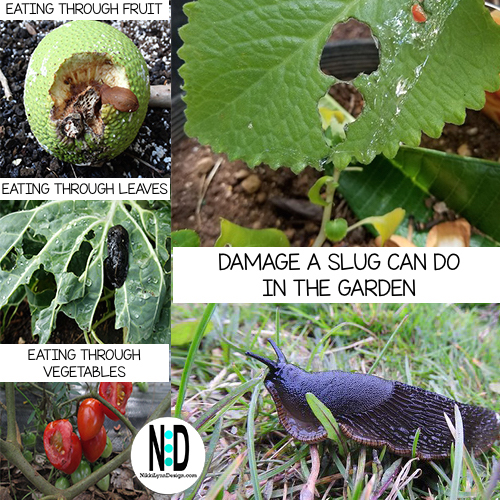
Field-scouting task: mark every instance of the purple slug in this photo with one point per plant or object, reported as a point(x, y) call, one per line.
point(374, 411)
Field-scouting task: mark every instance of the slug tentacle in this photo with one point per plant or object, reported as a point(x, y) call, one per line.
point(374, 411)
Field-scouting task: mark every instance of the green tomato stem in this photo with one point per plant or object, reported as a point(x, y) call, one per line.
point(14, 455)
point(11, 413)
point(327, 210)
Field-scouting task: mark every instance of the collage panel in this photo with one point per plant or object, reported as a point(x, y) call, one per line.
point(85, 272)
point(49, 422)
point(311, 124)
point(85, 99)
point(334, 400)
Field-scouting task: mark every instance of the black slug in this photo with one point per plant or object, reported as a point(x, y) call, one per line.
point(374, 411)
point(116, 263)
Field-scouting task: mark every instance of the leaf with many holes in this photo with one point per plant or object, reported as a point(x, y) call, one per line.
point(253, 82)
point(55, 253)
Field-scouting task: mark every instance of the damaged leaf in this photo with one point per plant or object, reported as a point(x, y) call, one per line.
point(64, 271)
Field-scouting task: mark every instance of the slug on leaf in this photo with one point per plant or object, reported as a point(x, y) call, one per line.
point(374, 411)
point(116, 263)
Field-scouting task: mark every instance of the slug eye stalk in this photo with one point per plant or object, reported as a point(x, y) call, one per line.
point(374, 411)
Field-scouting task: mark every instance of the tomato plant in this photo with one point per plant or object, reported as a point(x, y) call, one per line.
point(90, 418)
point(116, 393)
point(93, 448)
point(29, 439)
point(62, 446)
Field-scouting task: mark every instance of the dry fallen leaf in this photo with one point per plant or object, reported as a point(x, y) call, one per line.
point(446, 234)
point(122, 479)
point(449, 234)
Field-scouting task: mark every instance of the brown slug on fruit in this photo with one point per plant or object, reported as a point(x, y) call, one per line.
point(374, 411)
point(116, 263)
point(120, 98)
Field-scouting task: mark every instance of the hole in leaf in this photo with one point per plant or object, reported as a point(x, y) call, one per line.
point(341, 106)
point(351, 50)
point(41, 288)
point(78, 261)
point(9, 261)
point(90, 235)
point(32, 243)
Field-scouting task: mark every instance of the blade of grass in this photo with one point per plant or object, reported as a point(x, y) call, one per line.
point(324, 415)
point(415, 444)
point(252, 460)
point(495, 477)
point(204, 421)
point(191, 492)
point(473, 470)
point(387, 344)
point(458, 433)
point(193, 348)
point(286, 465)
point(225, 476)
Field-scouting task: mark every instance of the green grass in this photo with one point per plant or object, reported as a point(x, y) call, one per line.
point(450, 349)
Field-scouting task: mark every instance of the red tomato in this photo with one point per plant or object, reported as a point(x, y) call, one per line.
point(90, 418)
point(93, 448)
point(418, 13)
point(62, 446)
point(116, 393)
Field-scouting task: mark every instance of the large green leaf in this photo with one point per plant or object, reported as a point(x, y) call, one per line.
point(253, 82)
point(469, 186)
point(70, 229)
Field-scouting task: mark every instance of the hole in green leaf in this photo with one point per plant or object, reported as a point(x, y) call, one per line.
point(9, 261)
point(337, 109)
point(348, 96)
point(351, 50)
point(41, 288)
point(32, 243)
point(78, 261)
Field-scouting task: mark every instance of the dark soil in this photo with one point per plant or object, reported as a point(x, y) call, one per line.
point(21, 155)
point(17, 329)
point(264, 198)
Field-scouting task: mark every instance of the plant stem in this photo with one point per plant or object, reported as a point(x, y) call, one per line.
point(122, 418)
point(10, 399)
point(13, 454)
point(327, 211)
point(161, 409)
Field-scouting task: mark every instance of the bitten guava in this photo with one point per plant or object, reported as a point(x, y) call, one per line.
point(86, 92)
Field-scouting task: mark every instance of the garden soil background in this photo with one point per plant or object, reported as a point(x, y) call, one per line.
point(21, 155)
point(262, 198)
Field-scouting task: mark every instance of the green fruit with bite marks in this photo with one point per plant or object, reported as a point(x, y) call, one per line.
point(86, 92)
